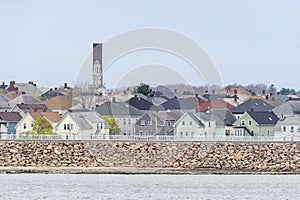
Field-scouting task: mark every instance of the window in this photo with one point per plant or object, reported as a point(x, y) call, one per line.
point(192, 134)
point(243, 123)
point(191, 123)
point(292, 129)
point(209, 124)
point(101, 126)
point(181, 134)
point(143, 122)
point(187, 134)
point(169, 123)
point(124, 120)
point(65, 126)
point(227, 132)
point(24, 126)
point(250, 123)
point(252, 132)
point(129, 132)
point(183, 123)
point(268, 132)
point(129, 121)
point(284, 128)
point(141, 132)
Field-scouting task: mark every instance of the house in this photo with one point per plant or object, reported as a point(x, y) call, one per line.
point(288, 126)
point(51, 94)
point(288, 108)
point(252, 105)
point(140, 103)
point(157, 123)
point(8, 121)
point(59, 103)
point(214, 104)
point(125, 114)
point(25, 124)
point(217, 122)
point(28, 88)
point(23, 98)
point(25, 108)
point(178, 104)
point(256, 124)
point(82, 124)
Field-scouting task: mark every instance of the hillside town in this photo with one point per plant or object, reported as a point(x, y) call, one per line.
point(143, 112)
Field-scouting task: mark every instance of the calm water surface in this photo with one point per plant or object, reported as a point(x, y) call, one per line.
point(56, 186)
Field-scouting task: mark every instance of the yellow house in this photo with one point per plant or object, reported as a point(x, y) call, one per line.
point(82, 125)
point(25, 124)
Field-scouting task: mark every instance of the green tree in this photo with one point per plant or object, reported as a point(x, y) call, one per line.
point(114, 125)
point(145, 90)
point(42, 126)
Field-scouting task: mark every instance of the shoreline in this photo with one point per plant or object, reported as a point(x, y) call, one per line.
point(135, 171)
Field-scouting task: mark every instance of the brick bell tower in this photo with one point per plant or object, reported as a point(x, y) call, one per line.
point(97, 75)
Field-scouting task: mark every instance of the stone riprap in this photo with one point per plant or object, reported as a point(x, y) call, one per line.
point(261, 157)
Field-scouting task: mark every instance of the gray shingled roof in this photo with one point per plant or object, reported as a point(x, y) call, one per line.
point(10, 116)
point(83, 119)
point(178, 103)
point(264, 118)
point(222, 117)
point(118, 109)
point(291, 107)
point(256, 105)
point(23, 98)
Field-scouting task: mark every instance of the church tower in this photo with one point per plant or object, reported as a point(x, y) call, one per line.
point(97, 74)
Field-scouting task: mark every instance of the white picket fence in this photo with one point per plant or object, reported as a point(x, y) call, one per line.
point(150, 138)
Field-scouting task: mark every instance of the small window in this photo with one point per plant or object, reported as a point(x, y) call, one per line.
point(68, 126)
point(181, 134)
point(268, 132)
point(187, 134)
point(250, 123)
point(243, 123)
point(124, 121)
point(24, 126)
point(183, 123)
point(284, 128)
point(141, 132)
point(292, 129)
point(169, 123)
point(129, 121)
point(65, 126)
point(209, 124)
point(143, 122)
point(191, 123)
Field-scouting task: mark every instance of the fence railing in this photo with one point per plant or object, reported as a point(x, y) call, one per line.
point(149, 138)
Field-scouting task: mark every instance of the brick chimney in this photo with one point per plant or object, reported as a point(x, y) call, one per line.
point(235, 98)
point(263, 92)
point(12, 83)
point(30, 82)
point(267, 97)
point(65, 85)
point(235, 91)
point(55, 89)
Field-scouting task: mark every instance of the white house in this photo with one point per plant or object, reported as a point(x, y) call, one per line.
point(82, 124)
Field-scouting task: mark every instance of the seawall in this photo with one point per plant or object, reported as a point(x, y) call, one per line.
point(176, 156)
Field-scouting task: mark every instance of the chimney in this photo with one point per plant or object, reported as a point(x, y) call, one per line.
point(235, 98)
point(114, 99)
point(51, 89)
point(263, 92)
point(196, 95)
point(278, 93)
point(253, 94)
point(206, 91)
point(3, 83)
point(97, 105)
point(30, 82)
point(55, 89)
point(23, 93)
point(12, 83)
point(267, 97)
point(271, 94)
point(66, 85)
point(290, 98)
point(235, 91)
point(34, 85)
point(135, 96)
point(34, 110)
point(175, 97)
point(252, 109)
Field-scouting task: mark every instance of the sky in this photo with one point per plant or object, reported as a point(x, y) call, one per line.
point(249, 41)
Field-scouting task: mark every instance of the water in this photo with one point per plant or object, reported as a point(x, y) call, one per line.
point(61, 186)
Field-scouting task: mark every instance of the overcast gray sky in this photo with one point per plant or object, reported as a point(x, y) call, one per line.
point(249, 41)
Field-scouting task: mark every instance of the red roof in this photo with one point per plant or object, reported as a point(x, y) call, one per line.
point(214, 104)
